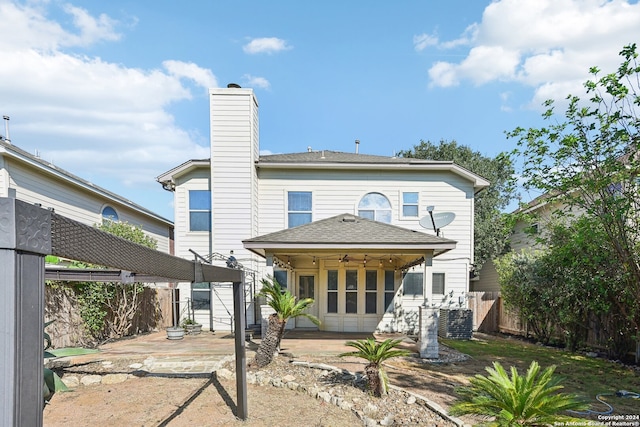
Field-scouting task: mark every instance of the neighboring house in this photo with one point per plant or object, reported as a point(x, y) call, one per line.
point(342, 228)
point(540, 216)
point(29, 178)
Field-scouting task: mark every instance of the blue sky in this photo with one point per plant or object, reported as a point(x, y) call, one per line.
point(116, 92)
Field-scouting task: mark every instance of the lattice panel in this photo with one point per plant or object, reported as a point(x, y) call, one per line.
point(74, 240)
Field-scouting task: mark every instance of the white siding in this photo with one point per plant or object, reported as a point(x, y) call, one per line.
point(234, 186)
point(340, 192)
point(488, 281)
point(199, 241)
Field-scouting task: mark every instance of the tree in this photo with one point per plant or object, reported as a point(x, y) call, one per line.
point(286, 307)
point(376, 353)
point(491, 226)
point(589, 161)
point(524, 291)
point(516, 400)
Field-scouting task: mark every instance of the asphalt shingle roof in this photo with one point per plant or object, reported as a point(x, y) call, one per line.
point(327, 156)
point(353, 230)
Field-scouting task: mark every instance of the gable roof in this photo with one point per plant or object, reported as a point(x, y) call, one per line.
point(347, 231)
point(167, 179)
point(17, 154)
point(326, 159)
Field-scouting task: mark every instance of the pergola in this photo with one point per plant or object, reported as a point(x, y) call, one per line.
point(27, 234)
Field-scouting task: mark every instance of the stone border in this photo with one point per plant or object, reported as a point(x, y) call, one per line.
point(343, 405)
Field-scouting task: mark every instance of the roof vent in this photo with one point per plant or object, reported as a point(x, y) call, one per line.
point(309, 149)
point(348, 218)
point(357, 145)
point(234, 86)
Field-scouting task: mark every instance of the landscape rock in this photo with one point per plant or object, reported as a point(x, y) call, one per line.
point(114, 378)
point(91, 380)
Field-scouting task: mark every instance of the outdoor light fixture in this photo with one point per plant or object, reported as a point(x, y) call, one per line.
point(314, 260)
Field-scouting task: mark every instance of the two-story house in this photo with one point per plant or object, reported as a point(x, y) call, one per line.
point(343, 228)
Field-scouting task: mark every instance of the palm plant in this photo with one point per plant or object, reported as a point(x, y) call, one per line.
point(286, 307)
point(516, 400)
point(376, 353)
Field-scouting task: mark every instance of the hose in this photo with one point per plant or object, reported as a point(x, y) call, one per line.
point(619, 393)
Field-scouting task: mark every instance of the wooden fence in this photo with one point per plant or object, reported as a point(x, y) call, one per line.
point(490, 314)
point(67, 330)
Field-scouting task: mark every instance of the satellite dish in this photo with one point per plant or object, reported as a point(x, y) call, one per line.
point(437, 221)
point(443, 218)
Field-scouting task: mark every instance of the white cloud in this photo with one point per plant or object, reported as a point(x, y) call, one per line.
point(422, 41)
point(201, 76)
point(90, 28)
point(546, 44)
point(254, 81)
point(101, 120)
point(266, 45)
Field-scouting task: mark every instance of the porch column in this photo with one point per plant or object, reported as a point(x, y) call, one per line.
point(25, 239)
point(428, 314)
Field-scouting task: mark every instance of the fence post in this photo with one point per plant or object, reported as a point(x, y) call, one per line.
point(25, 239)
point(241, 355)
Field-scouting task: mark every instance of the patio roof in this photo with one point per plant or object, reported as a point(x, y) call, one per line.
point(348, 232)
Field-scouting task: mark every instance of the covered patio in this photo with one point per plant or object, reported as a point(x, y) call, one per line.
point(354, 268)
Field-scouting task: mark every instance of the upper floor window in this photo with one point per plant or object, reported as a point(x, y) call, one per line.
point(410, 204)
point(298, 208)
point(375, 206)
point(109, 214)
point(199, 210)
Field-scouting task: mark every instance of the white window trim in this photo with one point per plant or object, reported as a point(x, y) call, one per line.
point(285, 201)
point(401, 206)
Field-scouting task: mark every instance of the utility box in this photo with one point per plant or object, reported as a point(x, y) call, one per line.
point(456, 323)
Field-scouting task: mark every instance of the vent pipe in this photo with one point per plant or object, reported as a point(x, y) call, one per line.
point(6, 128)
point(357, 145)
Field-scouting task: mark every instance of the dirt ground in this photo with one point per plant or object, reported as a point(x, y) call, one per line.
point(181, 402)
point(177, 402)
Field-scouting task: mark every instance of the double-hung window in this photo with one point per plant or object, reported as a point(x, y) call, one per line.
point(199, 210)
point(410, 205)
point(438, 284)
point(299, 207)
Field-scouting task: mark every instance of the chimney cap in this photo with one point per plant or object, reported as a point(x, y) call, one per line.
point(234, 86)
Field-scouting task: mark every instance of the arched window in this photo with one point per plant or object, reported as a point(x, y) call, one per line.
point(109, 214)
point(375, 206)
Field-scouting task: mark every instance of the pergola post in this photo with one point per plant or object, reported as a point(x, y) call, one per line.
point(241, 355)
point(25, 239)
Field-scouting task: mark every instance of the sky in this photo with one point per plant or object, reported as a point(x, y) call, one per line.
point(117, 92)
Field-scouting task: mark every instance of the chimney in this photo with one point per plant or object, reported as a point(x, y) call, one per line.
point(357, 145)
point(6, 129)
